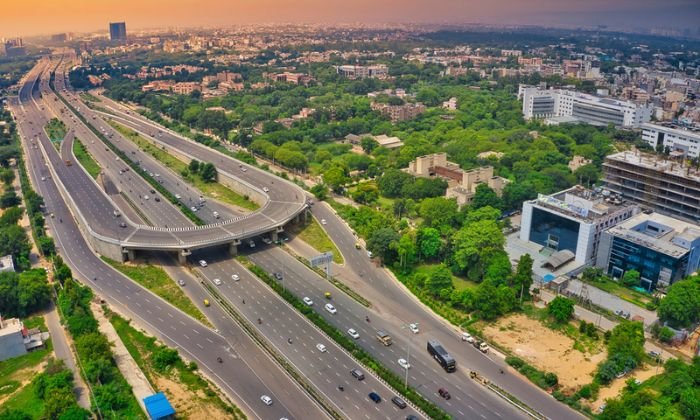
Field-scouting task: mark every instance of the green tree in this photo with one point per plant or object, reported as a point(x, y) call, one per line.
point(561, 309)
point(681, 306)
point(439, 213)
point(193, 166)
point(485, 196)
point(335, 177)
point(475, 244)
point(587, 175)
point(391, 183)
point(208, 172)
point(482, 213)
point(165, 357)
point(368, 144)
point(365, 193)
point(631, 278)
point(406, 249)
point(439, 279)
point(522, 279)
point(320, 191)
point(429, 242)
point(382, 243)
point(627, 338)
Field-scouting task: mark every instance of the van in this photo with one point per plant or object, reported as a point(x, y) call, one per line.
point(357, 373)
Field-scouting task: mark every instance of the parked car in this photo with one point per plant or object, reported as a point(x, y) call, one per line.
point(202, 263)
point(235, 277)
point(217, 282)
point(467, 337)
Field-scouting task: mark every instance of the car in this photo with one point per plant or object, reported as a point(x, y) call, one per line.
point(206, 302)
point(444, 393)
point(43, 178)
point(153, 191)
point(202, 263)
point(216, 215)
point(353, 333)
point(266, 400)
point(193, 208)
point(369, 254)
point(178, 196)
point(399, 402)
point(467, 337)
point(157, 199)
point(267, 240)
point(321, 348)
point(413, 328)
point(243, 169)
point(602, 408)
point(411, 417)
point(330, 308)
point(145, 197)
point(307, 300)
point(323, 221)
point(404, 363)
point(235, 277)
point(122, 224)
point(266, 189)
point(217, 282)
point(654, 354)
point(374, 397)
point(181, 282)
point(251, 243)
point(357, 245)
point(278, 276)
point(357, 373)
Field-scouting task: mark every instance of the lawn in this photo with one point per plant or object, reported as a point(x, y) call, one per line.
point(619, 290)
point(460, 283)
point(35, 322)
point(157, 280)
point(25, 400)
point(211, 189)
point(86, 159)
point(191, 395)
point(12, 373)
point(55, 129)
point(317, 238)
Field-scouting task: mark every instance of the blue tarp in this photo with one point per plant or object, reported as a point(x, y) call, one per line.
point(158, 406)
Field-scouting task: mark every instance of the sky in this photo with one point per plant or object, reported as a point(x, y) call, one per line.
point(32, 17)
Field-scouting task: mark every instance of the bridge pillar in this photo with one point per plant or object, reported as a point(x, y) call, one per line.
point(130, 254)
point(233, 249)
point(182, 256)
point(274, 236)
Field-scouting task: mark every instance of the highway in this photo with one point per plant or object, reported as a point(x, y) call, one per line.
point(244, 380)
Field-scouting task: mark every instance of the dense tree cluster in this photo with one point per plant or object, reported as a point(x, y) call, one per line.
point(681, 306)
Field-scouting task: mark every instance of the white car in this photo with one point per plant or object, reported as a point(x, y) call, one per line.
point(217, 282)
point(235, 277)
point(467, 337)
point(330, 308)
point(354, 334)
point(307, 300)
point(404, 364)
point(323, 221)
point(266, 400)
point(321, 348)
point(178, 196)
point(244, 169)
point(414, 328)
point(202, 263)
point(369, 254)
point(266, 189)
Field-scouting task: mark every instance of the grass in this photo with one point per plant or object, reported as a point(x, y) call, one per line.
point(313, 234)
point(142, 348)
point(10, 381)
point(157, 280)
point(85, 96)
point(35, 322)
point(86, 159)
point(459, 283)
point(25, 401)
point(210, 189)
point(624, 293)
point(55, 129)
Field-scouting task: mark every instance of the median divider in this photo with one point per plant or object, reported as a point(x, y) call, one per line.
point(262, 342)
point(390, 378)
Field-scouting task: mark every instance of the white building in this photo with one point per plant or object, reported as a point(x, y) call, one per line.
point(676, 139)
point(361, 72)
point(11, 338)
point(6, 264)
point(570, 105)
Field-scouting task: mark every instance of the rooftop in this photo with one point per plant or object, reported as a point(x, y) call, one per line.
point(10, 326)
point(584, 204)
point(658, 232)
point(158, 406)
point(657, 163)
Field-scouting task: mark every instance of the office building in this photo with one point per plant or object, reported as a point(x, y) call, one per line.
point(117, 31)
point(573, 220)
point(362, 72)
point(560, 105)
point(661, 248)
point(15, 48)
point(679, 141)
point(661, 184)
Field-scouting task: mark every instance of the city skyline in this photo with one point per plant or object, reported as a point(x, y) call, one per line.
point(88, 16)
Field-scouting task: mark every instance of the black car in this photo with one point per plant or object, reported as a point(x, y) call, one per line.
point(399, 402)
point(375, 397)
point(278, 276)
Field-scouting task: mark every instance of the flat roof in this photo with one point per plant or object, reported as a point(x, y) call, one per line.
point(656, 163)
point(158, 406)
point(661, 242)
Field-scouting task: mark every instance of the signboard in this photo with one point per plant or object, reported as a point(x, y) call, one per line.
point(322, 259)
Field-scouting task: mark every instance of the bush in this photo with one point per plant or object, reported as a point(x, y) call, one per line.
point(516, 362)
point(551, 379)
point(666, 335)
point(165, 357)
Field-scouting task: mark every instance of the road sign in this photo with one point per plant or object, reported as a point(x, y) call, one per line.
point(321, 259)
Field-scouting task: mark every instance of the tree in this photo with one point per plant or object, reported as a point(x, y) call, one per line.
point(439, 213)
point(483, 213)
point(485, 196)
point(368, 144)
point(391, 183)
point(320, 191)
point(666, 335)
point(522, 279)
point(441, 278)
point(193, 166)
point(429, 242)
point(208, 172)
point(561, 309)
point(9, 199)
point(681, 306)
point(474, 244)
point(631, 278)
point(627, 338)
point(406, 249)
point(165, 357)
point(587, 174)
point(335, 177)
point(382, 243)
point(365, 193)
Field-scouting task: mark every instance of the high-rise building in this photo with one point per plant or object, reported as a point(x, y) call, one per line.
point(15, 48)
point(657, 183)
point(566, 105)
point(117, 31)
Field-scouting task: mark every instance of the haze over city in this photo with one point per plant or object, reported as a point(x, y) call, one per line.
point(88, 15)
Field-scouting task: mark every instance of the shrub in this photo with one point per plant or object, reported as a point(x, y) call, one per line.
point(516, 362)
point(551, 379)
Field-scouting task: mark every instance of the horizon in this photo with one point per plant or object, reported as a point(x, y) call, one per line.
point(85, 16)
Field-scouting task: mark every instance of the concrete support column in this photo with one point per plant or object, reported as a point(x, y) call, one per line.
point(274, 236)
point(131, 255)
point(182, 256)
point(233, 249)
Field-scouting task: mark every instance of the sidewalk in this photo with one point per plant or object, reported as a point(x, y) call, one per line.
point(126, 364)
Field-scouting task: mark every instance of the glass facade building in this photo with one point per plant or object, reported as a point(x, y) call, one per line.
point(653, 266)
point(553, 231)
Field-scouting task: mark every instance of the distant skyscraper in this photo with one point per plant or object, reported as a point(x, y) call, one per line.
point(117, 31)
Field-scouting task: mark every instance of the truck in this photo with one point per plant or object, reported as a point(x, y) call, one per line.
point(482, 346)
point(442, 356)
point(384, 337)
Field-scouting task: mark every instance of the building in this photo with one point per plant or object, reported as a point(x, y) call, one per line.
point(11, 338)
point(657, 183)
point(675, 138)
point(661, 248)
point(461, 184)
point(382, 139)
point(577, 162)
point(397, 113)
point(15, 48)
point(186, 88)
point(6, 264)
point(158, 407)
point(570, 106)
point(288, 77)
point(450, 104)
point(117, 31)
point(350, 71)
point(573, 220)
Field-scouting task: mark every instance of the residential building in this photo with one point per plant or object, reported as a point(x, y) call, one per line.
point(15, 48)
point(6, 264)
point(677, 139)
point(186, 88)
point(397, 113)
point(573, 220)
point(11, 338)
point(577, 162)
point(382, 139)
point(658, 183)
point(451, 104)
point(553, 104)
point(661, 248)
point(362, 72)
point(511, 53)
point(117, 31)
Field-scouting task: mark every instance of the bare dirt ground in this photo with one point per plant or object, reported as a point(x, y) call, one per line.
point(545, 349)
point(613, 390)
point(187, 405)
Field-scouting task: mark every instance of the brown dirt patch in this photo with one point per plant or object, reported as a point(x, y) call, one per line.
point(187, 404)
point(615, 387)
point(545, 349)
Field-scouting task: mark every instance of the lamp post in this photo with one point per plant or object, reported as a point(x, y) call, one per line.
point(408, 354)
